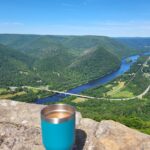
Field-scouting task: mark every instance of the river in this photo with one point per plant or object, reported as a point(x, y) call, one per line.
point(125, 66)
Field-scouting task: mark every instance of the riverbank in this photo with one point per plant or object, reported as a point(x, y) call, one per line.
point(125, 66)
point(128, 86)
point(119, 106)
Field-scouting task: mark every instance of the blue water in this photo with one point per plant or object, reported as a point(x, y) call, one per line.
point(125, 66)
point(146, 53)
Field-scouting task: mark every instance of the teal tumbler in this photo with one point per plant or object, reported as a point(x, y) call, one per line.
point(58, 127)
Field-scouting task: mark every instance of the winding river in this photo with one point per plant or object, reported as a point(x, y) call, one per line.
point(125, 66)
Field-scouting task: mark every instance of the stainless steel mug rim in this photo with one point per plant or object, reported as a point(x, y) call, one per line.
point(58, 107)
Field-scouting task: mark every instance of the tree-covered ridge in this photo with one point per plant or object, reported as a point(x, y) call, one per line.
point(57, 67)
point(139, 43)
point(48, 59)
point(76, 44)
point(93, 63)
point(59, 61)
point(15, 67)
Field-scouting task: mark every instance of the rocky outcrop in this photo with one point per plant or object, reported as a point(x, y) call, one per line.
point(20, 130)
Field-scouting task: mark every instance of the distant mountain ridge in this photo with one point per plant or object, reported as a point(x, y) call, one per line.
point(139, 43)
point(33, 43)
point(61, 62)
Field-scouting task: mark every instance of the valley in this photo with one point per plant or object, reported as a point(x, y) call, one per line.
point(61, 66)
point(126, 99)
point(112, 75)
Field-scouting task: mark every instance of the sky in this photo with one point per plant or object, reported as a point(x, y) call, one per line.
point(115, 18)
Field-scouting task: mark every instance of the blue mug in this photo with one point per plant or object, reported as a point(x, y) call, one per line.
point(58, 127)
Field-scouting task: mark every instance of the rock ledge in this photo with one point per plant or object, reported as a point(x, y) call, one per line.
point(20, 130)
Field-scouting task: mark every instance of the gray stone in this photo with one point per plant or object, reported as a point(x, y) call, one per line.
point(20, 130)
point(78, 118)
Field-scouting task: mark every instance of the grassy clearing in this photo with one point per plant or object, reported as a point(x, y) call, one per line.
point(123, 94)
point(116, 88)
point(33, 89)
point(11, 95)
point(2, 90)
point(79, 100)
point(108, 85)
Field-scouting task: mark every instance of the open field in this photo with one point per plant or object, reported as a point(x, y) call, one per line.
point(115, 89)
point(123, 94)
point(10, 96)
point(2, 90)
point(79, 100)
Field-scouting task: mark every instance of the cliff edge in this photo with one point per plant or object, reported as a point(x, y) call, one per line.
point(20, 130)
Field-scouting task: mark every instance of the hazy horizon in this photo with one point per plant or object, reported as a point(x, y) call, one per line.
point(75, 35)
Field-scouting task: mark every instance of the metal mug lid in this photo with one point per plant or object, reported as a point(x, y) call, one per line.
point(58, 108)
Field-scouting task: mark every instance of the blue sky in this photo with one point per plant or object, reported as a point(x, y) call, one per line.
point(76, 17)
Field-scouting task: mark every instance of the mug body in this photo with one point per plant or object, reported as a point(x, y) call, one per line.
point(58, 132)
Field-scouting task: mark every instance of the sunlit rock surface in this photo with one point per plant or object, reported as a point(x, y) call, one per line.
point(20, 130)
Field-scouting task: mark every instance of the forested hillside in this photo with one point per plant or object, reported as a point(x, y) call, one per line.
point(93, 63)
point(35, 44)
point(61, 62)
point(15, 67)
